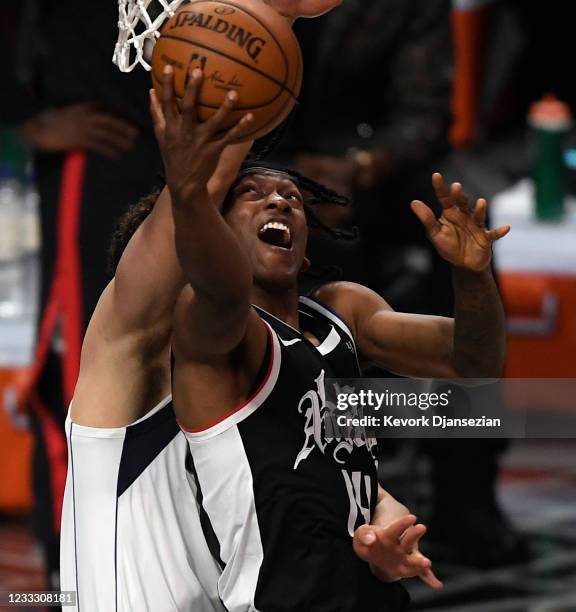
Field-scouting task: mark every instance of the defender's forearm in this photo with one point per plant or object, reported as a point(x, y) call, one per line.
point(479, 325)
point(149, 277)
point(212, 259)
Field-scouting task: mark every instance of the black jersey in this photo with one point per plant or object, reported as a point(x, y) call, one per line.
point(281, 497)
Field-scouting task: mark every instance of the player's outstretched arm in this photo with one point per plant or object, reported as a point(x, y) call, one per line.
point(461, 238)
point(133, 320)
point(149, 277)
point(212, 314)
point(473, 343)
point(404, 343)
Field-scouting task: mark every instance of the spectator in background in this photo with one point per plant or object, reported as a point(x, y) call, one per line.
point(373, 124)
point(67, 96)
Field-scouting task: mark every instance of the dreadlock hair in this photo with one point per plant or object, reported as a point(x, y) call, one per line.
point(136, 214)
point(314, 193)
point(126, 227)
point(318, 193)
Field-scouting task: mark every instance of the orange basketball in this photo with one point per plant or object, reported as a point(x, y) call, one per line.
point(242, 45)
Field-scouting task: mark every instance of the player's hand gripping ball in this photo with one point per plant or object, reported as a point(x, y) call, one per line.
point(241, 45)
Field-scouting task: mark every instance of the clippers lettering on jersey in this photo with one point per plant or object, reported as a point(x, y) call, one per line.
point(314, 414)
point(314, 406)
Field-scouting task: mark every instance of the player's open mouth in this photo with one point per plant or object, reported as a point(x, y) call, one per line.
point(276, 234)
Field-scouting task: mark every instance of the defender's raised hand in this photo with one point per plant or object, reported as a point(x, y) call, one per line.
point(392, 551)
point(303, 8)
point(459, 235)
point(191, 149)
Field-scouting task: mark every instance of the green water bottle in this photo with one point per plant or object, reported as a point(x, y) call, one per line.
point(551, 120)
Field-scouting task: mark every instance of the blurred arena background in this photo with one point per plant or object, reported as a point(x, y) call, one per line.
point(394, 89)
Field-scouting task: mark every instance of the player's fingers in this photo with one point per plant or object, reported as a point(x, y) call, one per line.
point(428, 577)
point(215, 125)
point(398, 527)
point(418, 562)
point(442, 191)
point(157, 115)
point(457, 195)
point(364, 541)
point(479, 214)
point(167, 98)
point(188, 105)
point(426, 216)
point(498, 233)
point(407, 538)
point(412, 536)
point(240, 132)
point(461, 198)
point(365, 535)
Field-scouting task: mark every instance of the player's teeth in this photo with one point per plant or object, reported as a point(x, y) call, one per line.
point(277, 226)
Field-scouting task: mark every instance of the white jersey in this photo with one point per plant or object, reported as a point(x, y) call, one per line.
point(132, 537)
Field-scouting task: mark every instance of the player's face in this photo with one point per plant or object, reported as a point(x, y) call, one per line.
point(267, 214)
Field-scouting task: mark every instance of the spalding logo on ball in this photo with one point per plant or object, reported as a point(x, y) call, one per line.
point(244, 46)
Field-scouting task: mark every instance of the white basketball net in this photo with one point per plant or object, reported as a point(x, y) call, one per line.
point(138, 25)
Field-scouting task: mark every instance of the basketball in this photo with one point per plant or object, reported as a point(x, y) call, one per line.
point(243, 46)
